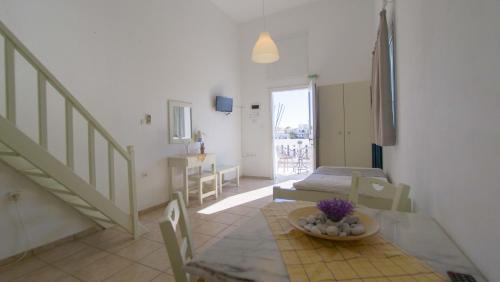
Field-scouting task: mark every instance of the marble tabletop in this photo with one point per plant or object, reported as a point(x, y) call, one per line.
point(250, 253)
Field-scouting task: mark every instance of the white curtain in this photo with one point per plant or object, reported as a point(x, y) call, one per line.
point(313, 118)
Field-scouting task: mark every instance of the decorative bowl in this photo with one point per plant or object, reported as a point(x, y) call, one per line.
point(371, 225)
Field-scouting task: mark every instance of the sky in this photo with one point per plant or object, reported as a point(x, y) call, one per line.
point(296, 104)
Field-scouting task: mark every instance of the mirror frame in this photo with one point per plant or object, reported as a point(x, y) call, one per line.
point(171, 105)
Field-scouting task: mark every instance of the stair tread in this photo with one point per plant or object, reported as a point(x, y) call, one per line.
point(35, 172)
point(53, 190)
point(3, 147)
point(82, 206)
point(19, 163)
point(9, 154)
point(55, 177)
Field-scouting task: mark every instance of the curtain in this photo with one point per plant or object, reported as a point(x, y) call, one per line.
point(377, 159)
point(313, 118)
point(382, 105)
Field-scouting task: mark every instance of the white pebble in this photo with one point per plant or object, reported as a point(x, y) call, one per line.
point(302, 221)
point(357, 229)
point(308, 227)
point(332, 230)
point(311, 219)
point(315, 230)
point(322, 228)
point(345, 228)
point(351, 219)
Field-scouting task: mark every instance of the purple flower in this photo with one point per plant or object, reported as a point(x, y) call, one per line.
point(336, 209)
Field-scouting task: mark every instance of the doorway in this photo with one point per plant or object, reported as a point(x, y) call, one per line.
point(293, 143)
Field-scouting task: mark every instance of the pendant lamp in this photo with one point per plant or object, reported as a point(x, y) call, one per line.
point(265, 50)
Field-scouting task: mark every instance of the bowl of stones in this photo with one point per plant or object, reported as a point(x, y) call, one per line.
point(314, 222)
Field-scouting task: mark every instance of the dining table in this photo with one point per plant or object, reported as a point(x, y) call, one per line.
point(250, 253)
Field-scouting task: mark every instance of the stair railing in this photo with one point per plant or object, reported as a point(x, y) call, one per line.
point(44, 76)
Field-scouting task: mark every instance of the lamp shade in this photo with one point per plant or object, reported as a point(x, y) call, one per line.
point(265, 50)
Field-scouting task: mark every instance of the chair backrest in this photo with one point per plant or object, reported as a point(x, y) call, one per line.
point(179, 251)
point(376, 188)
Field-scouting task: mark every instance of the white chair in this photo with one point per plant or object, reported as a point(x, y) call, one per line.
point(377, 188)
point(206, 185)
point(175, 215)
point(222, 171)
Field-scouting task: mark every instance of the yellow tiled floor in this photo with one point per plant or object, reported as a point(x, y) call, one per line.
point(113, 255)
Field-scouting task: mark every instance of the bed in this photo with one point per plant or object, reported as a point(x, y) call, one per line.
point(335, 182)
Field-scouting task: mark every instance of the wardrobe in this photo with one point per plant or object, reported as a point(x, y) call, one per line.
point(345, 127)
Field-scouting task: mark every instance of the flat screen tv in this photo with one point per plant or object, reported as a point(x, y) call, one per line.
point(224, 104)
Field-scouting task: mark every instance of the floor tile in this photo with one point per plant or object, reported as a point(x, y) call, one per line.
point(80, 259)
point(210, 228)
point(154, 232)
point(164, 278)
point(68, 278)
point(200, 239)
point(45, 274)
point(110, 254)
point(139, 249)
point(61, 251)
point(102, 268)
point(134, 273)
point(15, 270)
point(226, 218)
point(157, 260)
point(108, 239)
point(242, 210)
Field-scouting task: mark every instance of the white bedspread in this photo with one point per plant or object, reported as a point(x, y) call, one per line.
point(335, 179)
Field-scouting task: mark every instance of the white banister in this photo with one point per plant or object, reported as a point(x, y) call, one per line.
point(42, 111)
point(45, 77)
point(132, 193)
point(23, 51)
point(91, 144)
point(70, 152)
point(10, 83)
point(111, 172)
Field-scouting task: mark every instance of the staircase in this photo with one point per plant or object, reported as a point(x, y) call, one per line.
point(33, 159)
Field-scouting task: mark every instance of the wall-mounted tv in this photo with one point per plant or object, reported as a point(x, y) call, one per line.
point(224, 104)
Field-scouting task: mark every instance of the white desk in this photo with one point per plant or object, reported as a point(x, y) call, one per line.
point(184, 163)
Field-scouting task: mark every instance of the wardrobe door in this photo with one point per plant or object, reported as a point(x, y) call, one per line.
point(331, 126)
point(358, 137)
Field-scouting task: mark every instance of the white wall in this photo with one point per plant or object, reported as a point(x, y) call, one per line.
point(44, 217)
point(448, 68)
point(331, 38)
point(123, 59)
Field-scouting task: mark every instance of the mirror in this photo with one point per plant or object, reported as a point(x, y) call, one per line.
point(180, 130)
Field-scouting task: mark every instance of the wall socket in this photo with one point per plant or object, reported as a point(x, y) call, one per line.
point(13, 196)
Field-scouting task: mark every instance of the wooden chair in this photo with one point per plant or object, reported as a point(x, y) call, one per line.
point(179, 253)
point(376, 188)
point(205, 185)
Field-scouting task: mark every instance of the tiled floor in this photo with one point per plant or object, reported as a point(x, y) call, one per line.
point(112, 255)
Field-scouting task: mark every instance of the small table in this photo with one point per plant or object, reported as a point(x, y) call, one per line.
point(221, 171)
point(186, 162)
point(250, 253)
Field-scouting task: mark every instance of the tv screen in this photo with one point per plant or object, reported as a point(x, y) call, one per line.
point(224, 104)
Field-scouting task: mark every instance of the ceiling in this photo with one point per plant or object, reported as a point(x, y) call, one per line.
point(247, 10)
